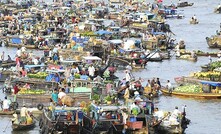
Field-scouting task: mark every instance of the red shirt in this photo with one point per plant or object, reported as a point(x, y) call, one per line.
point(16, 89)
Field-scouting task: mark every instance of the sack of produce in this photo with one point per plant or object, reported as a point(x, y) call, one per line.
point(29, 120)
point(67, 100)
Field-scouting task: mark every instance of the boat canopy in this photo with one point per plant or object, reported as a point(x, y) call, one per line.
point(91, 58)
point(33, 66)
point(211, 83)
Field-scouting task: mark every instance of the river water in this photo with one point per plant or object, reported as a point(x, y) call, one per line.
point(205, 115)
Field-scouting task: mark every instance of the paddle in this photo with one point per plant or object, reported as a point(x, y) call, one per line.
point(6, 126)
point(34, 117)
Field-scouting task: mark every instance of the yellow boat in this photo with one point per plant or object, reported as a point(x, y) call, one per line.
point(213, 94)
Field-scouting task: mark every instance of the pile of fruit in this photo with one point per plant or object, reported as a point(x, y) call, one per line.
point(39, 75)
point(215, 65)
point(88, 34)
point(186, 56)
point(31, 91)
point(209, 74)
point(189, 88)
point(144, 25)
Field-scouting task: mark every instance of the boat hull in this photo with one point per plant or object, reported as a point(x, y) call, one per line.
point(7, 113)
point(20, 45)
point(184, 4)
point(212, 43)
point(19, 127)
point(193, 95)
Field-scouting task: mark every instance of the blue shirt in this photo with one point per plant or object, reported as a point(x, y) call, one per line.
point(54, 97)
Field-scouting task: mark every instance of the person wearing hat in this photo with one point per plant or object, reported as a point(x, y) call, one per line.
point(23, 114)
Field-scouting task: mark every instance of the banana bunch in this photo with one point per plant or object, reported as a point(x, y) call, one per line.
point(140, 25)
point(32, 91)
point(207, 74)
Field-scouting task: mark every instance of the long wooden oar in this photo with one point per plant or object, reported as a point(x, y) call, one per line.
point(6, 126)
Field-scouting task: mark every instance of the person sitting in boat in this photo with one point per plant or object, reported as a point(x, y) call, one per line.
point(15, 119)
point(23, 114)
point(193, 54)
point(9, 59)
point(29, 118)
point(194, 18)
point(6, 104)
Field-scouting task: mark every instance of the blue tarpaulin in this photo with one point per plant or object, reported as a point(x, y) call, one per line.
point(215, 84)
point(16, 41)
point(79, 40)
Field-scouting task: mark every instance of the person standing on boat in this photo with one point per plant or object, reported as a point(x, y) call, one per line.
point(24, 113)
point(2, 56)
point(54, 96)
point(174, 116)
point(128, 76)
point(61, 95)
point(16, 89)
point(126, 95)
point(91, 71)
point(169, 86)
point(6, 104)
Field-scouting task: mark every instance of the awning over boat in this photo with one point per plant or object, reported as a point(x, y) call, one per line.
point(33, 66)
point(211, 83)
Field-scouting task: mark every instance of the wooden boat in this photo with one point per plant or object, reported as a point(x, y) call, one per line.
point(21, 127)
point(214, 41)
point(217, 9)
point(60, 123)
point(193, 95)
point(164, 127)
point(194, 21)
point(188, 57)
point(7, 113)
point(199, 53)
point(184, 4)
point(22, 45)
point(206, 86)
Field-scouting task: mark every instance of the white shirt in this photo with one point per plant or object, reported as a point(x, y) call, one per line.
point(35, 61)
point(61, 95)
point(168, 85)
point(128, 77)
point(91, 70)
point(159, 114)
point(175, 113)
point(6, 104)
point(24, 111)
point(18, 53)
